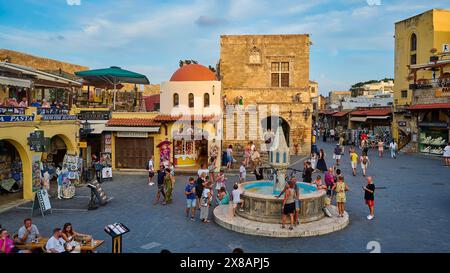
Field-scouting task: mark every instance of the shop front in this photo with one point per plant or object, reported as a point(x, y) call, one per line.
point(187, 140)
point(432, 131)
point(190, 147)
point(132, 141)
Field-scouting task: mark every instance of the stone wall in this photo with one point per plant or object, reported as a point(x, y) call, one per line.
point(38, 62)
point(245, 70)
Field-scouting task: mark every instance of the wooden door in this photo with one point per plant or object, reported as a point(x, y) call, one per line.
point(133, 153)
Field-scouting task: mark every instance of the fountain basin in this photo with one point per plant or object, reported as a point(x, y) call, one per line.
point(260, 203)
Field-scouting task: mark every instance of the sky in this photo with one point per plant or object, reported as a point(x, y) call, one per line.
point(353, 40)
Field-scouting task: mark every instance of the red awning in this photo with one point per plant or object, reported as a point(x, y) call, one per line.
point(372, 112)
point(340, 114)
point(429, 106)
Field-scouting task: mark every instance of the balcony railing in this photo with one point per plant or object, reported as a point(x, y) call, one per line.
point(11, 110)
point(428, 84)
point(52, 111)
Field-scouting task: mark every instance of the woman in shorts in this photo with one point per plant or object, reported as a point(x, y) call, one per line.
point(289, 206)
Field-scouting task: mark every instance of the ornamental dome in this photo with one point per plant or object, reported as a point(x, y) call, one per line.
point(193, 72)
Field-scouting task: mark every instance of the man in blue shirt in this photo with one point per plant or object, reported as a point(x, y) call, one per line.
point(35, 103)
point(189, 191)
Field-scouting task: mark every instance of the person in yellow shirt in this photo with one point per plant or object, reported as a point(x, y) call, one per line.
point(354, 160)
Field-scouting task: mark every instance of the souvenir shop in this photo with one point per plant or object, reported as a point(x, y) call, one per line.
point(11, 176)
point(190, 147)
point(433, 131)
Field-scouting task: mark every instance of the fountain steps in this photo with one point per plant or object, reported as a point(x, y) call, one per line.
point(223, 217)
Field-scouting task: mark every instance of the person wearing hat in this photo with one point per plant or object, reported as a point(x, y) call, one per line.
point(337, 154)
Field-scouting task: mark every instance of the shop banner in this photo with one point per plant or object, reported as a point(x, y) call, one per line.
point(16, 118)
point(58, 117)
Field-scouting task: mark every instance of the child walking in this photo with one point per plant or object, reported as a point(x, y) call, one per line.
point(340, 188)
point(205, 202)
point(236, 195)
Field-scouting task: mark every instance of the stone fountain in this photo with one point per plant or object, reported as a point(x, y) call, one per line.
point(262, 209)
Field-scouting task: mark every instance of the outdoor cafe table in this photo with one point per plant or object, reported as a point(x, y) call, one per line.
point(89, 248)
point(32, 245)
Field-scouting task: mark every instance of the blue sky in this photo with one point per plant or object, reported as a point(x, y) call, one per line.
point(352, 39)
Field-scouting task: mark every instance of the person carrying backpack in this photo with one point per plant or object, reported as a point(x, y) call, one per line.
point(364, 159)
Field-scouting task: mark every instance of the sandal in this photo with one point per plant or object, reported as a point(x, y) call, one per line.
point(291, 227)
point(282, 226)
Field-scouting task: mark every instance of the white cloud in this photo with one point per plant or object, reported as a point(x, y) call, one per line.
point(73, 2)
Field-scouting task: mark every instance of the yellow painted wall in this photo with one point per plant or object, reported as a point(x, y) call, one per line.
point(18, 132)
point(432, 29)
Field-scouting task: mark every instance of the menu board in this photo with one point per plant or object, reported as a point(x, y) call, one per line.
point(116, 229)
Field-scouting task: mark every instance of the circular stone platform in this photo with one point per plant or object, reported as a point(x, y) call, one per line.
point(223, 216)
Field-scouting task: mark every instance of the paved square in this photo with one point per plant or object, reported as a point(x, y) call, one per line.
point(412, 214)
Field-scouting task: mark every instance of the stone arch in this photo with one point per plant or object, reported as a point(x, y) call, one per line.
point(25, 158)
point(272, 123)
point(71, 147)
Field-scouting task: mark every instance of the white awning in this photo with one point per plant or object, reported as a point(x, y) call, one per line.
point(98, 125)
point(38, 73)
point(358, 119)
point(378, 117)
point(132, 129)
point(15, 82)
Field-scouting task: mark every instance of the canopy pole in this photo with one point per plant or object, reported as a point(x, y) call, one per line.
point(114, 97)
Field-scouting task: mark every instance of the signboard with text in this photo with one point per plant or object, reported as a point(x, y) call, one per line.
point(58, 117)
point(38, 142)
point(443, 92)
point(20, 118)
point(94, 115)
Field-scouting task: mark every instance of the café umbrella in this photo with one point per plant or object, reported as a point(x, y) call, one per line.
point(112, 76)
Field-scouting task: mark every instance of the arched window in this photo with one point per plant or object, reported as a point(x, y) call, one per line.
point(206, 100)
point(413, 42)
point(191, 100)
point(176, 99)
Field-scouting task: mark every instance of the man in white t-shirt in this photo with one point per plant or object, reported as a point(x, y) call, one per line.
point(203, 169)
point(151, 171)
point(447, 155)
point(332, 134)
point(236, 195)
point(55, 244)
point(242, 171)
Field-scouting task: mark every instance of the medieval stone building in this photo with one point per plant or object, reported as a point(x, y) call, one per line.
point(265, 82)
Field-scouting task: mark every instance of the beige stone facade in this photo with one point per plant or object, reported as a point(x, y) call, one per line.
point(40, 63)
point(266, 75)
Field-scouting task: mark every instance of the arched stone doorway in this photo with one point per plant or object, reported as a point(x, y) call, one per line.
point(15, 172)
point(272, 123)
point(58, 149)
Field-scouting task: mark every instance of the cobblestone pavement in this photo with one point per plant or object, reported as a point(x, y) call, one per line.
point(411, 206)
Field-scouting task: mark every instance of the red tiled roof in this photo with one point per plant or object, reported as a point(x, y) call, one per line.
point(340, 114)
point(372, 112)
point(169, 118)
point(132, 122)
point(327, 112)
point(429, 106)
